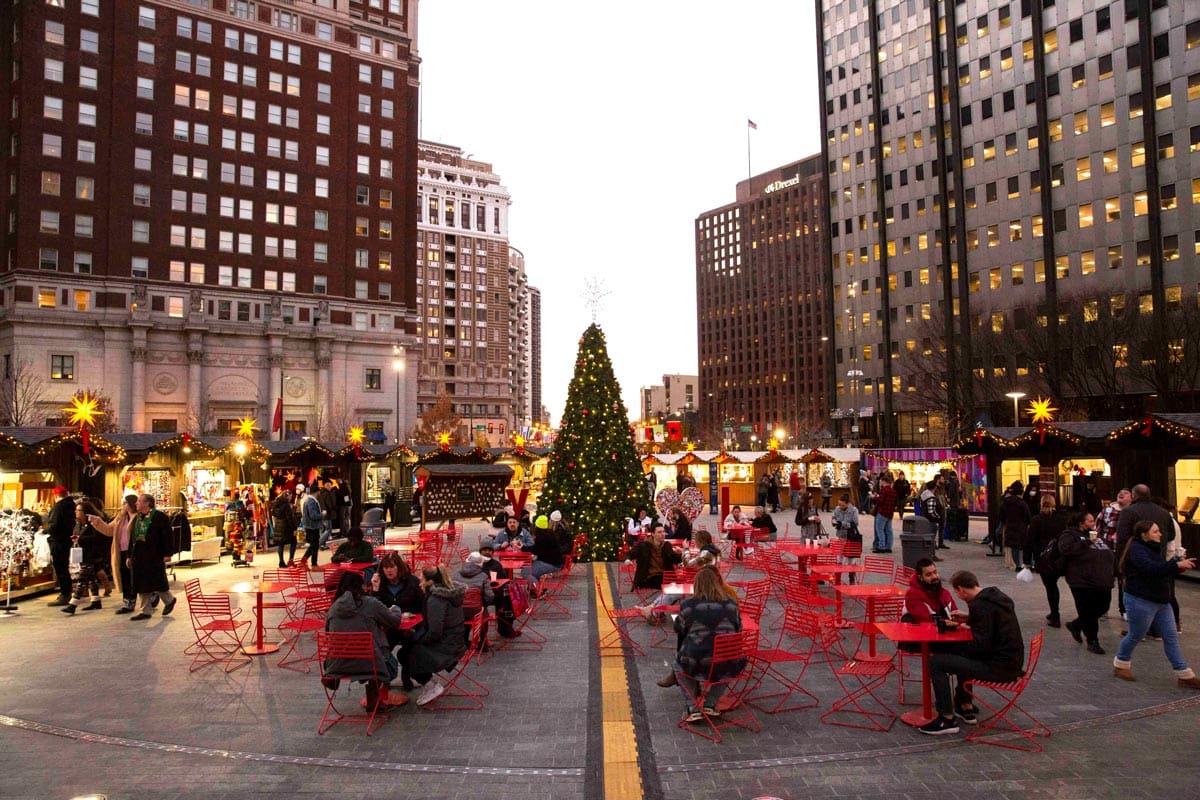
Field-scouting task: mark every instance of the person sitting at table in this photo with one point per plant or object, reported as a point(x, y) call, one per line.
point(547, 557)
point(712, 609)
point(562, 532)
point(442, 644)
point(353, 611)
point(637, 526)
point(472, 575)
point(927, 599)
point(504, 610)
point(354, 550)
point(995, 653)
point(735, 518)
point(762, 520)
point(653, 557)
point(679, 527)
point(395, 586)
point(707, 556)
point(513, 536)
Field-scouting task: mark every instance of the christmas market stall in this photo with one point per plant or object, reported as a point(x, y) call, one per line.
point(736, 471)
point(461, 490)
point(528, 465)
point(922, 464)
point(839, 463)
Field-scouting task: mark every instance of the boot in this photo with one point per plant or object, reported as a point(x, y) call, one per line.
point(68, 609)
point(95, 606)
point(1189, 683)
point(1126, 674)
point(669, 681)
point(1053, 621)
point(373, 696)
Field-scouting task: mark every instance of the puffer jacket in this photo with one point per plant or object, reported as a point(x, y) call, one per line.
point(1089, 564)
point(443, 643)
point(996, 633)
point(348, 615)
point(1147, 573)
point(698, 623)
point(473, 575)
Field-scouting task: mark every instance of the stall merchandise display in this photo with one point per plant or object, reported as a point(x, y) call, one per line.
point(154, 482)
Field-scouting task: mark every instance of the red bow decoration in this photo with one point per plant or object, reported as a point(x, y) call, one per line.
point(979, 437)
point(83, 436)
point(187, 439)
point(1147, 425)
point(1041, 433)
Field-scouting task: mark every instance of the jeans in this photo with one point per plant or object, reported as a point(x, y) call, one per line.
point(312, 538)
point(1052, 596)
point(326, 532)
point(540, 568)
point(1143, 613)
point(1091, 605)
point(1016, 556)
point(943, 665)
point(883, 532)
point(795, 499)
point(689, 687)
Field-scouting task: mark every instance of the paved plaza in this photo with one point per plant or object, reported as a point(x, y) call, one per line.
point(99, 704)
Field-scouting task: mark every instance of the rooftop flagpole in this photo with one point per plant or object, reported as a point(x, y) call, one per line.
point(750, 126)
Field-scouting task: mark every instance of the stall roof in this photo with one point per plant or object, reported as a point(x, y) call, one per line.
point(467, 469)
point(841, 455)
point(667, 459)
point(31, 436)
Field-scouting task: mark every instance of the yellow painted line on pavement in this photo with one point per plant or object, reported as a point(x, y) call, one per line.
point(622, 778)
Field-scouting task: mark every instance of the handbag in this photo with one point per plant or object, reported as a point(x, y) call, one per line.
point(852, 534)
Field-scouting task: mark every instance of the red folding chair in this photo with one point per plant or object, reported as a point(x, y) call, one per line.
point(662, 633)
point(191, 588)
point(463, 692)
point(524, 605)
point(904, 575)
point(1011, 733)
point(728, 650)
point(880, 567)
point(316, 609)
point(219, 636)
point(551, 588)
point(774, 664)
point(619, 641)
point(860, 680)
point(356, 652)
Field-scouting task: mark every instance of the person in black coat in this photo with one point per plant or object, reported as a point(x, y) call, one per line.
point(149, 549)
point(284, 521)
point(60, 525)
point(653, 557)
point(394, 585)
point(1014, 515)
point(1090, 576)
point(97, 547)
point(1046, 526)
point(681, 526)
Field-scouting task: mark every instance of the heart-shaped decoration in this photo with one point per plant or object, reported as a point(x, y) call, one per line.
point(692, 502)
point(664, 501)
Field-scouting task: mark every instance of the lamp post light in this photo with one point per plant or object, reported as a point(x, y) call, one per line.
point(398, 366)
point(1016, 398)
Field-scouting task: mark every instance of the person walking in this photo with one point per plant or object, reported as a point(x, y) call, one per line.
point(312, 521)
point(1147, 594)
point(150, 547)
point(1046, 527)
point(1090, 577)
point(118, 529)
point(283, 522)
point(96, 548)
point(826, 491)
point(1014, 515)
point(794, 488)
point(885, 508)
point(60, 526)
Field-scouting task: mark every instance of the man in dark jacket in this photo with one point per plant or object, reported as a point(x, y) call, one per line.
point(653, 557)
point(1143, 507)
point(328, 501)
point(60, 524)
point(149, 549)
point(995, 653)
point(284, 522)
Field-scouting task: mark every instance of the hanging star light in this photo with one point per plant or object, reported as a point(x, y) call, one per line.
point(1042, 413)
point(84, 410)
point(356, 438)
point(772, 444)
point(246, 427)
point(444, 441)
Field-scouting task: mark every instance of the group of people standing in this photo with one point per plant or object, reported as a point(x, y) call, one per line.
point(314, 512)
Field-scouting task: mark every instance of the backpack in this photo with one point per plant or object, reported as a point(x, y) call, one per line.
point(1051, 562)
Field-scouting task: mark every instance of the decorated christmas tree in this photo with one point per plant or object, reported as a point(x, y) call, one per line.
point(594, 476)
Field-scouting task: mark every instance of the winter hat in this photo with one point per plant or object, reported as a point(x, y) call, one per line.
point(300, 487)
point(541, 522)
point(476, 558)
point(556, 516)
point(60, 490)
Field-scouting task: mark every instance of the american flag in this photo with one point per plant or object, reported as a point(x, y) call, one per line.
point(751, 125)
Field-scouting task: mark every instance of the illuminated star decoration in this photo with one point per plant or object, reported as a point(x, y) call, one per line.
point(83, 410)
point(444, 441)
point(772, 444)
point(691, 447)
point(519, 442)
point(1041, 412)
point(356, 438)
point(246, 427)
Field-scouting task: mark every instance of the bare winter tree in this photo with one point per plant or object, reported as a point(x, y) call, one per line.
point(332, 423)
point(106, 420)
point(23, 395)
point(437, 420)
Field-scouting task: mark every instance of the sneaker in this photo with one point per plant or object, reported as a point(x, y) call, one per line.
point(939, 726)
point(432, 691)
point(968, 716)
point(712, 711)
point(169, 606)
point(125, 610)
point(693, 716)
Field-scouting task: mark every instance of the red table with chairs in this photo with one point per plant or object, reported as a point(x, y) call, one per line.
point(870, 594)
point(835, 572)
point(925, 634)
point(260, 647)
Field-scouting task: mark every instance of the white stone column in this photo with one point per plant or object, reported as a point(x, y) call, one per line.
point(195, 357)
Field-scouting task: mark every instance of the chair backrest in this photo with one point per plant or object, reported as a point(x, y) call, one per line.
point(878, 565)
point(282, 576)
point(852, 550)
point(836, 546)
point(679, 575)
point(889, 609)
point(191, 588)
point(825, 559)
point(727, 647)
point(317, 606)
point(1035, 654)
point(581, 540)
point(210, 606)
point(472, 602)
point(346, 646)
point(904, 575)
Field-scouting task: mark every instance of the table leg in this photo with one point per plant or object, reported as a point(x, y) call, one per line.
point(259, 647)
point(841, 621)
point(919, 718)
point(871, 626)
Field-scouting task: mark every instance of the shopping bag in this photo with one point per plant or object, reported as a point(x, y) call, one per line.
point(75, 562)
point(1025, 575)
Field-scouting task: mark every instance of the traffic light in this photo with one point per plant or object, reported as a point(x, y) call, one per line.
point(490, 427)
point(501, 428)
point(756, 427)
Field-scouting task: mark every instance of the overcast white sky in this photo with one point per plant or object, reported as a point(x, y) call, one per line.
point(614, 125)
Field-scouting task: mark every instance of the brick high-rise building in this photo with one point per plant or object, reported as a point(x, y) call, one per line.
point(1007, 171)
point(211, 205)
point(761, 305)
point(472, 295)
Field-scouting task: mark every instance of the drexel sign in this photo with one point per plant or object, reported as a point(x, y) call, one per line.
point(776, 186)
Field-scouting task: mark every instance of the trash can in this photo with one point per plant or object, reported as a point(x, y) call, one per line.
point(918, 540)
point(372, 526)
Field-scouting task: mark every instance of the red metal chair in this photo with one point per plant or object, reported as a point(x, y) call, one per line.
point(904, 575)
point(524, 605)
point(219, 636)
point(1011, 733)
point(770, 664)
point(358, 648)
point(316, 609)
point(551, 587)
point(463, 692)
point(734, 711)
point(879, 566)
point(619, 641)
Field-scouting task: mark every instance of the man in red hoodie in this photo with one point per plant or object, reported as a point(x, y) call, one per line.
point(926, 597)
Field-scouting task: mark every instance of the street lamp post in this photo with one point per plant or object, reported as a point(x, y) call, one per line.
point(1016, 398)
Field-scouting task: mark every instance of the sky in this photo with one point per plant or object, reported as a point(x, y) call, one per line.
point(613, 126)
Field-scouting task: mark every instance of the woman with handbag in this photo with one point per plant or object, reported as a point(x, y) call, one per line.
point(94, 546)
point(118, 529)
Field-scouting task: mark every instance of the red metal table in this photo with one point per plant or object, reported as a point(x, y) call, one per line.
point(925, 634)
point(836, 571)
point(869, 593)
point(259, 647)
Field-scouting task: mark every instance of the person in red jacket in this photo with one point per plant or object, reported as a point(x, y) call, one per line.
point(926, 597)
point(885, 508)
